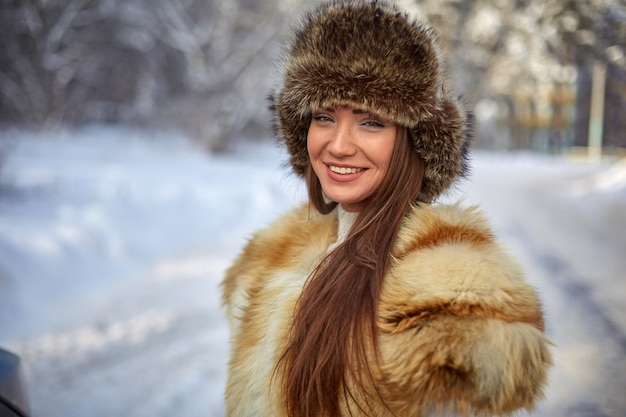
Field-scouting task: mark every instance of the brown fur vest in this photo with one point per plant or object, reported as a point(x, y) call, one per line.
point(459, 328)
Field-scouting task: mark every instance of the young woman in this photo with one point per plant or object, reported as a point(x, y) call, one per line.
point(373, 300)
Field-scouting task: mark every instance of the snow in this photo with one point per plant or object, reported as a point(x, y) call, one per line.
point(113, 242)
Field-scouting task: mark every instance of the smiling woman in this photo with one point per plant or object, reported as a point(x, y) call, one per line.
point(372, 299)
point(350, 152)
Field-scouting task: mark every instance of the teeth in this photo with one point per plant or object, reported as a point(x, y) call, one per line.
point(344, 170)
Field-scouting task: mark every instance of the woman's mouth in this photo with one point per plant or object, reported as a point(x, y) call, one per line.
point(344, 170)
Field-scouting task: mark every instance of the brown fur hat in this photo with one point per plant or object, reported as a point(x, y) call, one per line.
point(370, 55)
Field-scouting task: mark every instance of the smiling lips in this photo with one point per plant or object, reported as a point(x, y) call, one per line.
point(344, 170)
point(344, 174)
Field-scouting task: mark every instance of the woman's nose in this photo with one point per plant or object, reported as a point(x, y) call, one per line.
point(342, 141)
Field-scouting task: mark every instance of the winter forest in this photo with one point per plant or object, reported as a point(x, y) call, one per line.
point(136, 159)
point(529, 68)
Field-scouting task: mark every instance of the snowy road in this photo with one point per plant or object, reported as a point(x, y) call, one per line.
point(566, 223)
point(112, 247)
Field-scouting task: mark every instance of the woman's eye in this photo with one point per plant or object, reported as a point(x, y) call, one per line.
point(321, 118)
point(373, 123)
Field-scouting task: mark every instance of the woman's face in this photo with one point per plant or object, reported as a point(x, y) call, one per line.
point(350, 152)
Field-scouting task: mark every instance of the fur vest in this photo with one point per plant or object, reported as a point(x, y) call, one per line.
point(459, 328)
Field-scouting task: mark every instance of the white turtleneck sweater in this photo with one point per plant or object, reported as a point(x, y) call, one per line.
point(345, 220)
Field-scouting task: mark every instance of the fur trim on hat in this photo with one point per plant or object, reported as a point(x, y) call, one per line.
point(371, 56)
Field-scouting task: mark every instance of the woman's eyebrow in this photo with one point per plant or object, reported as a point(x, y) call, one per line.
point(354, 111)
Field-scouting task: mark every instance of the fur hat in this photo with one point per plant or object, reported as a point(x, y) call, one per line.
point(370, 55)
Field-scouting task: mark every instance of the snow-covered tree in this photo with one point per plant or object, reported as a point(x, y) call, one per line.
point(207, 65)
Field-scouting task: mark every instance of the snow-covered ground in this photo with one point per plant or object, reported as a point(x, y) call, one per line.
point(113, 242)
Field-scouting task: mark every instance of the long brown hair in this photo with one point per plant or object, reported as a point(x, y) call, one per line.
point(334, 331)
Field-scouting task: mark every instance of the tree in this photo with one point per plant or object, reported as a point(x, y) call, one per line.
point(199, 64)
point(207, 65)
point(533, 57)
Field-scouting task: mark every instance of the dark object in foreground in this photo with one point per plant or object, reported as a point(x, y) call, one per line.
point(12, 394)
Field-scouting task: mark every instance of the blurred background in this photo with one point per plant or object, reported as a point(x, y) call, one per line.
point(137, 158)
point(538, 74)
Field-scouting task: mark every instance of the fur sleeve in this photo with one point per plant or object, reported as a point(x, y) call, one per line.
point(462, 330)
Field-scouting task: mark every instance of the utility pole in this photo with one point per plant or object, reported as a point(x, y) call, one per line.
point(596, 113)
